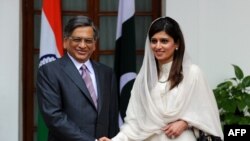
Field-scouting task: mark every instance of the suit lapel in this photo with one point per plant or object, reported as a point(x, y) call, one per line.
point(73, 73)
point(99, 85)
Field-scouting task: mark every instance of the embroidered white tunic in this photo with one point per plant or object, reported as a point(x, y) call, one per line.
point(192, 101)
point(152, 106)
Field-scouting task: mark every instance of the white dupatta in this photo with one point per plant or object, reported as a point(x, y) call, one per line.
point(195, 102)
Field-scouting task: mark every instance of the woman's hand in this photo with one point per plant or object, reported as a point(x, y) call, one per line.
point(174, 129)
point(104, 139)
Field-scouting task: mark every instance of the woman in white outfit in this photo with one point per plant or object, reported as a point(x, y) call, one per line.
point(170, 93)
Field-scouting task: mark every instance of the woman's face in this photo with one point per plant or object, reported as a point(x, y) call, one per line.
point(163, 47)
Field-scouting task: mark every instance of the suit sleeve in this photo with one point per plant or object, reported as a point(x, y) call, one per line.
point(114, 126)
point(50, 105)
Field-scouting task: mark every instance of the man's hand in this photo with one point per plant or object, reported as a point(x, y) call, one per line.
point(104, 139)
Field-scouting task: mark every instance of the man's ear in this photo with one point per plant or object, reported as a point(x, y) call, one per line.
point(65, 43)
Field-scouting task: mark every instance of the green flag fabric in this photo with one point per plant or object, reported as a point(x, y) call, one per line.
point(50, 47)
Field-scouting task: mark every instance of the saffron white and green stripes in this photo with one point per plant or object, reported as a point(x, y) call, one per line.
point(50, 47)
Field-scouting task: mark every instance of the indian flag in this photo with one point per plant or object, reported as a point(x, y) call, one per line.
point(51, 32)
point(50, 46)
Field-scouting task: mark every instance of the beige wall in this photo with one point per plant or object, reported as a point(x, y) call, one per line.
point(217, 34)
point(10, 70)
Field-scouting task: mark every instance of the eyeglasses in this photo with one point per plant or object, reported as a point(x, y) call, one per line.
point(79, 40)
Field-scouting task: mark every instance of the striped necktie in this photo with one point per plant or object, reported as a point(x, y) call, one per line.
point(88, 81)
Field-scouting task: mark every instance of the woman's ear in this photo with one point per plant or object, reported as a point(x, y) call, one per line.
point(176, 45)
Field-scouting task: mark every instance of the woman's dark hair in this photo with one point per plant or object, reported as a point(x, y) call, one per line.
point(172, 28)
point(79, 21)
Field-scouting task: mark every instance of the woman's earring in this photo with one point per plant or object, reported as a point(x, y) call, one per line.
point(176, 48)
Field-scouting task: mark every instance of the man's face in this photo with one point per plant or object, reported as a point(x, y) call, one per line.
point(81, 44)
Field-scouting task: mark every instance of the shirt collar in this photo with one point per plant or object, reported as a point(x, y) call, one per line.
point(79, 65)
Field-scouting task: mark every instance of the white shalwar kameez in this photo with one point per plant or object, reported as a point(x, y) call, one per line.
point(152, 106)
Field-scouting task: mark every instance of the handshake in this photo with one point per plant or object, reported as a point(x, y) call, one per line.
point(104, 139)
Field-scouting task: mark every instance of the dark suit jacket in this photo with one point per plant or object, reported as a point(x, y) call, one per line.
point(66, 104)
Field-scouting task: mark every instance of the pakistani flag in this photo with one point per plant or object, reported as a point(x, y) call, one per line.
point(50, 46)
point(125, 53)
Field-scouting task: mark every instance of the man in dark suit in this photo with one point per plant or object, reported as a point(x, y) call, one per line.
point(64, 97)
